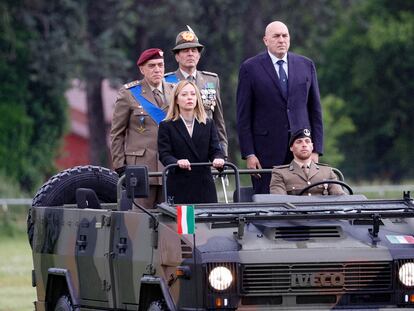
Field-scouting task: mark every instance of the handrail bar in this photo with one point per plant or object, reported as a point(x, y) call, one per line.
point(235, 171)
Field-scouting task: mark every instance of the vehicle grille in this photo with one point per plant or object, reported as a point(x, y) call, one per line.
point(306, 233)
point(318, 277)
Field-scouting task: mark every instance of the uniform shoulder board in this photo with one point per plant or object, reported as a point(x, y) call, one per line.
point(169, 74)
point(281, 166)
point(131, 84)
point(210, 73)
point(170, 85)
point(322, 164)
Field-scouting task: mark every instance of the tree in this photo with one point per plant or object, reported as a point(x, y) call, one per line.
point(16, 126)
point(369, 63)
point(336, 125)
point(101, 55)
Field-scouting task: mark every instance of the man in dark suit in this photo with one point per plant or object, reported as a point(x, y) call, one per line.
point(277, 94)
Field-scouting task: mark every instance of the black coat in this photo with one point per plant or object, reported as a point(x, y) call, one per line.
point(175, 143)
point(265, 116)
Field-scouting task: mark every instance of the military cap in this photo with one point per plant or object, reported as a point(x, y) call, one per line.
point(299, 134)
point(187, 39)
point(150, 54)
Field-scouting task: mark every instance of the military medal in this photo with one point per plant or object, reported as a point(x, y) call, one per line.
point(141, 128)
point(208, 95)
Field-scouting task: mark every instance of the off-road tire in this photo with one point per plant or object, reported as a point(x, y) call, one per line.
point(158, 305)
point(64, 304)
point(61, 189)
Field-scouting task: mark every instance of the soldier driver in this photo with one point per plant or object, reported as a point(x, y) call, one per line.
point(187, 52)
point(139, 108)
point(302, 171)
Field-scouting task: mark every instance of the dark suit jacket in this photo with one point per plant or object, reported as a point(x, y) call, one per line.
point(265, 117)
point(175, 143)
point(206, 82)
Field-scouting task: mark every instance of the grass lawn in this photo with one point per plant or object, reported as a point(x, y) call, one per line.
point(16, 291)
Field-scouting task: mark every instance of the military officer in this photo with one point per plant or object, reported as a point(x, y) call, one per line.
point(139, 108)
point(302, 171)
point(187, 52)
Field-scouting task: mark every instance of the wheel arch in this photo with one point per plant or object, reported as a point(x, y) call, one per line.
point(59, 282)
point(154, 288)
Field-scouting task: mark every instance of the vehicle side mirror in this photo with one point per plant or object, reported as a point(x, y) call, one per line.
point(137, 184)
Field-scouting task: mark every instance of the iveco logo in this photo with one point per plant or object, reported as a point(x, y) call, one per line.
point(322, 279)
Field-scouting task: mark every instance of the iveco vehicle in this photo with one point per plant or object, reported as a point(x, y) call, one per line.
point(93, 249)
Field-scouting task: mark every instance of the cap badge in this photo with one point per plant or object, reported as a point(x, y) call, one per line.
point(161, 53)
point(188, 36)
point(306, 132)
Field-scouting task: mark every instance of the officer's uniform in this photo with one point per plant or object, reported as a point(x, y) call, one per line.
point(209, 85)
point(207, 82)
point(291, 179)
point(134, 133)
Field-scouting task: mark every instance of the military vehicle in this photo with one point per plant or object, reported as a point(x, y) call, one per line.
point(93, 250)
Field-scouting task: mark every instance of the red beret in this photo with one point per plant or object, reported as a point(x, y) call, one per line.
point(149, 54)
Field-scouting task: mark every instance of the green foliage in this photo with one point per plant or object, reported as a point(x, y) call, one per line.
point(16, 128)
point(34, 77)
point(369, 63)
point(336, 125)
point(363, 51)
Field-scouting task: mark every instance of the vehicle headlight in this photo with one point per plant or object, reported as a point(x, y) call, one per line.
point(220, 278)
point(406, 274)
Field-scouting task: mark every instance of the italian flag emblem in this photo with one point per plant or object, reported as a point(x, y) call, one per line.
point(185, 219)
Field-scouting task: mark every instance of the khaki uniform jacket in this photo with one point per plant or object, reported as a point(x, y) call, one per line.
point(209, 86)
point(291, 179)
point(133, 132)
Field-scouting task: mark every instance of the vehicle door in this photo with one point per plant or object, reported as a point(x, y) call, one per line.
point(132, 255)
point(93, 245)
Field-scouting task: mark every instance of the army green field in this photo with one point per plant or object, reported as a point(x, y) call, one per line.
point(16, 291)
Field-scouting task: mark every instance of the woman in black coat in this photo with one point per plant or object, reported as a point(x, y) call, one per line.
point(188, 136)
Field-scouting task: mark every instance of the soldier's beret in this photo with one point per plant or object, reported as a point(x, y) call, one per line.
point(299, 134)
point(187, 39)
point(149, 54)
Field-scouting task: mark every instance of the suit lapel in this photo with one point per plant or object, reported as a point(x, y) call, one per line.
point(291, 72)
point(168, 94)
point(313, 170)
point(269, 67)
point(147, 93)
point(297, 170)
point(196, 132)
point(200, 82)
point(182, 130)
point(179, 75)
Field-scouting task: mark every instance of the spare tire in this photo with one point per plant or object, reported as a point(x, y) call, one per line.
point(61, 189)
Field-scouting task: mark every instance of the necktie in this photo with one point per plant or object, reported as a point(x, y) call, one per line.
point(306, 170)
point(191, 79)
point(283, 78)
point(158, 97)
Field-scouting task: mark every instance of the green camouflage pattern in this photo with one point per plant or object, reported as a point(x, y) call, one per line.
point(107, 259)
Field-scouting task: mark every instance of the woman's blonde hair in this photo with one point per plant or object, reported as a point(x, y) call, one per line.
point(174, 111)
